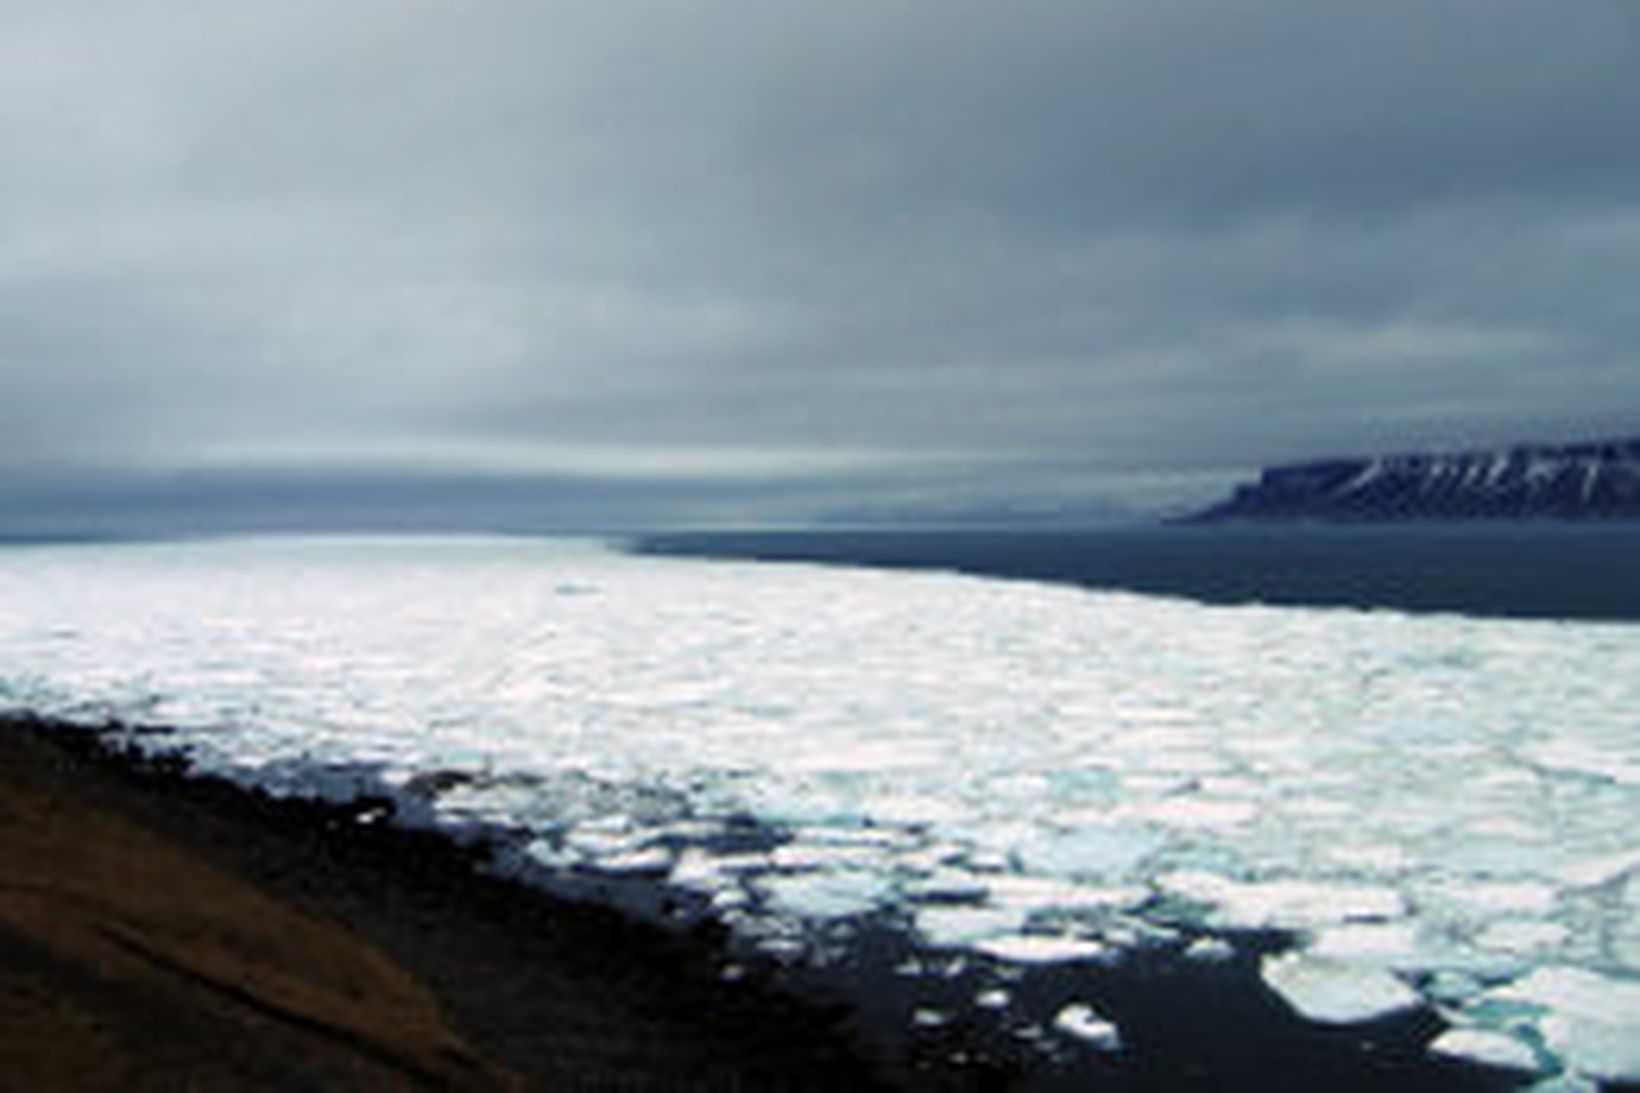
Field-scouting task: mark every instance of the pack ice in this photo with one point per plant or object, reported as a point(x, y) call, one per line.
point(1443, 810)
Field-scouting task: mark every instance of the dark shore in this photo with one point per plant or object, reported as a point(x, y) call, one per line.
point(163, 931)
point(160, 931)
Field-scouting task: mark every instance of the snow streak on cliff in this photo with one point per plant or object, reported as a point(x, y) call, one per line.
point(1573, 481)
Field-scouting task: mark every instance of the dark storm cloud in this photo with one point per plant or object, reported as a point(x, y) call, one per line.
point(754, 261)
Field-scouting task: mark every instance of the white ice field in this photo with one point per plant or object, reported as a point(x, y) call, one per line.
point(1446, 809)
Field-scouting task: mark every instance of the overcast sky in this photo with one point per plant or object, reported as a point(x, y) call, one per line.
point(635, 261)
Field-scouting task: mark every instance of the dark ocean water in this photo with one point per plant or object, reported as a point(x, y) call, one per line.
point(1506, 570)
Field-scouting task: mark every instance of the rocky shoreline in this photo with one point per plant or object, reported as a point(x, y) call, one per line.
point(166, 931)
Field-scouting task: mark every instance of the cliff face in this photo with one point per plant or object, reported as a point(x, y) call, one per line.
point(1567, 482)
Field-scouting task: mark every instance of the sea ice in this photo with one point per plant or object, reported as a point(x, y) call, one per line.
point(1285, 903)
point(608, 838)
point(1041, 949)
point(1453, 988)
point(1592, 758)
point(924, 1017)
point(645, 860)
point(706, 872)
point(1473, 898)
point(1592, 1021)
point(946, 885)
point(1336, 991)
point(548, 853)
point(1386, 944)
point(1598, 869)
point(1086, 1024)
point(1486, 1047)
point(1108, 851)
point(1625, 942)
point(1522, 936)
point(808, 854)
point(995, 998)
point(956, 926)
point(1606, 1048)
point(824, 895)
point(1189, 811)
point(982, 758)
point(1210, 950)
point(1564, 1083)
point(1049, 893)
point(913, 809)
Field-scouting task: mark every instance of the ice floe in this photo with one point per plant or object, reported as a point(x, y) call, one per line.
point(1209, 950)
point(1488, 1048)
point(1336, 991)
point(1283, 903)
point(994, 998)
point(1591, 1022)
point(1041, 949)
point(824, 895)
point(1087, 1025)
point(949, 927)
point(1384, 944)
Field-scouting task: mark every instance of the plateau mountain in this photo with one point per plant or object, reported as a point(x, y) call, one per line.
point(1530, 481)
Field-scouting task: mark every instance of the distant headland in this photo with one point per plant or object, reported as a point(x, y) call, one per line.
point(1589, 481)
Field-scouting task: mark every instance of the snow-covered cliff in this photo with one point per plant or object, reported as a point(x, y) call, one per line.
point(1570, 481)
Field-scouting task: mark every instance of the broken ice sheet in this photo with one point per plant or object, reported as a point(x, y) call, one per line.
point(961, 926)
point(1385, 944)
point(1104, 851)
point(824, 895)
point(1041, 949)
point(689, 689)
point(1086, 1024)
point(1486, 1047)
point(1335, 991)
point(1283, 903)
point(1590, 1021)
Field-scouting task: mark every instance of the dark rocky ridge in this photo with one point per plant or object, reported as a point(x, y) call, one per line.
point(1560, 482)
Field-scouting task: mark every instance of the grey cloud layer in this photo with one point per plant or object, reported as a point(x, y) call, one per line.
point(950, 250)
